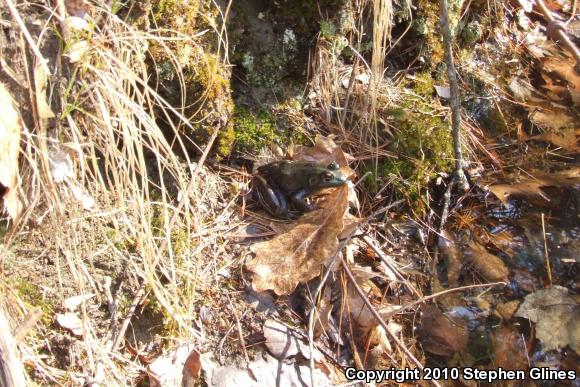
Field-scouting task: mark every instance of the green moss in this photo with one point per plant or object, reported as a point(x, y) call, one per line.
point(121, 242)
point(424, 138)
point(327, 29)
point(426, 25)
point(423, 146)
point(195, 63)
point(213, 77)
point(422, 84)
point(253, 130)
point(32, 295)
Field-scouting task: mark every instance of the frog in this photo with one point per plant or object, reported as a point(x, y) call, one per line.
point(282, 187)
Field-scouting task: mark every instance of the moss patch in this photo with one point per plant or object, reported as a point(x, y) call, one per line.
point(253, 130)
point(422, 143)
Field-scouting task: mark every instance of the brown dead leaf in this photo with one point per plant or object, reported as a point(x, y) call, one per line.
point(506, 310)
point(566, 139)
point(509, 350)
point(324, 151)
point(440, 334)
point(351, 223)
point(191, 369)
point(556, 313)
point(562, 70)
point(489, 266)
point(10, 129)
point(537, 191)
point(554, 119)
point(40, 81)
point(297, 255)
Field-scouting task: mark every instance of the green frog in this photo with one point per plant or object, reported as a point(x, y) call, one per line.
point(283, 186)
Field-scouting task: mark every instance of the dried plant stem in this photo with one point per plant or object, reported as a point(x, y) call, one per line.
point(240, 332)
point(162, 246)
point(11, 368)
point(558, 31)
point(27, 325)
point(33, 46)
point(455, 102)
point(446, 204)
point(329, 268)
point(442, 293)
point(548, 263)
point(382, 322)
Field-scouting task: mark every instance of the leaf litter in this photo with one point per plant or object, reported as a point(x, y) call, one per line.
point(556, 313)
point(302, 248)
point(299, 253)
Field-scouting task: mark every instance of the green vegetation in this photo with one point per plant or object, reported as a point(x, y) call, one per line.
point(31, 293)
point(253, 130)
point(422, 142)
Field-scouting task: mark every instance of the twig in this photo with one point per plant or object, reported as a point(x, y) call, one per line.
point(446, 204)
point(389, 264)
point(329, 268)
point(29, 322)
point(33, 46)
point(240, 333)
point(162, 246)
point(548, 263)
point(454, 99)
point(557, 30)
point(382, 322)
point(348, 93)
point(223, 342)
point(441, 293)
point(11, 368)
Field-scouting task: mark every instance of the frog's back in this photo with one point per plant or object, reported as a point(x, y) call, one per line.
point(290, 176)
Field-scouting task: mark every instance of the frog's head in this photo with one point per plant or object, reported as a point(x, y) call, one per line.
point(326, 176)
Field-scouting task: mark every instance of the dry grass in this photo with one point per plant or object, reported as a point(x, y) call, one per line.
point(154, 237)
point(115, 159)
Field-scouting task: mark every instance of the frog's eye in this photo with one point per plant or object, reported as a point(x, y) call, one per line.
point(327, 176)
point(333, 166)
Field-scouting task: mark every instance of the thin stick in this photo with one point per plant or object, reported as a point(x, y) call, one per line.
point(329, 268)
point(41, 59)
point(162, 246)
point(548, 263)
point(11, 367)
point(382, 322)
point(446, 205)
point(454, 99)
point(557, 29)
point(26, 326)
point(441, 293)
point(240, 332)
point(386, 261)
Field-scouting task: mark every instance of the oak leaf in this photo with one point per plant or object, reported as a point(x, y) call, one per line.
point(544, 189)
point(297, 255)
